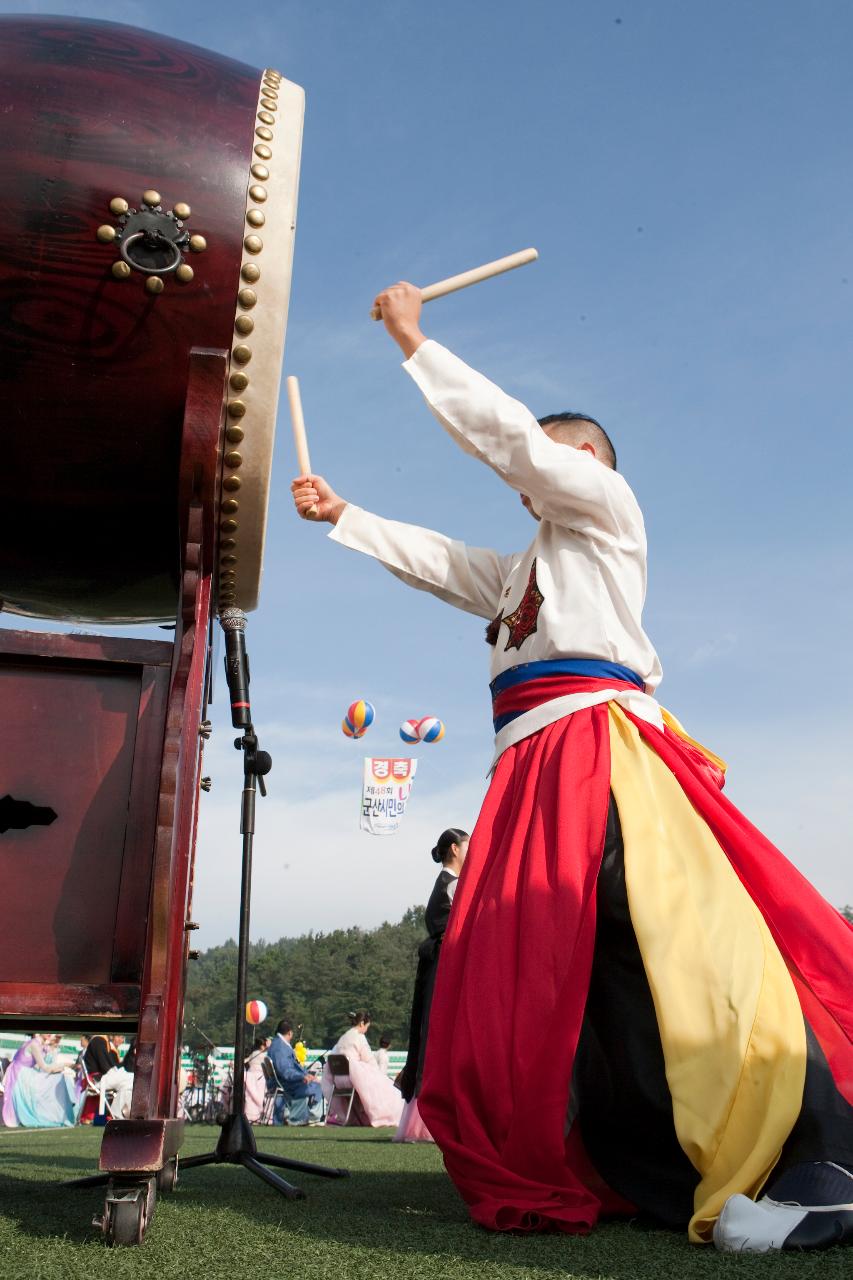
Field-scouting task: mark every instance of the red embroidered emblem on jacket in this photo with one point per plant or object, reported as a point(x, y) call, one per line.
point(523, 621)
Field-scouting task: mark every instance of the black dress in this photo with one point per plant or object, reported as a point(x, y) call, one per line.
point(437, 915)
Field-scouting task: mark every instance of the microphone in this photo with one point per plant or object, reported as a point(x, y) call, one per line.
point(233, 623)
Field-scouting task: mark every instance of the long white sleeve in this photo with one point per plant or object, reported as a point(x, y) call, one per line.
point(471, 578)
point(568, 486)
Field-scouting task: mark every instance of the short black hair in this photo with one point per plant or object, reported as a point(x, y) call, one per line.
point(598, 437)
point(283, 1027)
point(384, 1042)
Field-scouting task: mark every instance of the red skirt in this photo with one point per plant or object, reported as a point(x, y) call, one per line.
point(516, 961)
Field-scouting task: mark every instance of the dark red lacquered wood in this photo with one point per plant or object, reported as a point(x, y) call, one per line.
point(162, 999)
point(83, 726)
point(139, 1146)
point(115, 725)
point(94, 371)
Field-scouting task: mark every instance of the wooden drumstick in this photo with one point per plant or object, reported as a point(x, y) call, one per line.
point(474, 276)
point(300, 439)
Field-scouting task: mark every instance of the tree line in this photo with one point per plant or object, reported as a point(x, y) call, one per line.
point(315, 979)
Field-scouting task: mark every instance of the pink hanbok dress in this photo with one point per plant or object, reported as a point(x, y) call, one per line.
point(255, 1086)
point(411, 1127)
point(37, 1099)
point(378, 1102)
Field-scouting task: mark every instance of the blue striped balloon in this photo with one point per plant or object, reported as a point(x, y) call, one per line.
point(409, 731)
point(430, 729)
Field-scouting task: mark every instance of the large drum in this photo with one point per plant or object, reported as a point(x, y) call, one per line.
point(148, 191)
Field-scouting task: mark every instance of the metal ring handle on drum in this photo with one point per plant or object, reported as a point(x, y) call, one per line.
point(152, 271)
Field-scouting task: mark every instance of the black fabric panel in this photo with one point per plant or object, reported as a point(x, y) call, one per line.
point(620, 1089)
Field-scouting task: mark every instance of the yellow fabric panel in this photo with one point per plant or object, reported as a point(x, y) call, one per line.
point(677, 727)
point(731, 1027)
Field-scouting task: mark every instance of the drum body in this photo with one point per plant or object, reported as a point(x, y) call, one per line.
point(148, 191)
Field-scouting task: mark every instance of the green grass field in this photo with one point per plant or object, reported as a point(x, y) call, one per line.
point(397, 1217)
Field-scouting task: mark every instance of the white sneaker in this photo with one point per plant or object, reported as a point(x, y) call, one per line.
point(759, 1226)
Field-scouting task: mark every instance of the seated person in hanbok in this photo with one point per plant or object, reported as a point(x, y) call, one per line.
point(40, 1089)
point(377, 1102)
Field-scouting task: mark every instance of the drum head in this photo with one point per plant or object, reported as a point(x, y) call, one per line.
point(149, 191)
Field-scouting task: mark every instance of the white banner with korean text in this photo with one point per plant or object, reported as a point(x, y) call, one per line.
point(385, 793)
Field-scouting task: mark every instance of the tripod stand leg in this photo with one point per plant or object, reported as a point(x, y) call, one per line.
point(193, 1162)
point(266, 1175)
point(300, 1166)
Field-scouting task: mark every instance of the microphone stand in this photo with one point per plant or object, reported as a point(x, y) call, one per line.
point(208, 1080)
point(236, 1143)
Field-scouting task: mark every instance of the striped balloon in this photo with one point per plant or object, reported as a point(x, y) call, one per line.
point(256, 1011)
point(347, 728)
point(409, 731)
point(360, 715)
point(430, 729)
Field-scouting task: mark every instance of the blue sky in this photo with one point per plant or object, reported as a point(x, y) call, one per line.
point(683, 169)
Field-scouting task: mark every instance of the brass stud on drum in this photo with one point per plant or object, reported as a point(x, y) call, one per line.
point(242, 354)
point(118, 206)
point(232, 483)
point(151, 197)
point(184, 273)
point(263, 151)
point(253, 244)
point(154, 284)
point(238, 381)
point(106, 234)
point(269, 104)
point(266, 117)
point(265, 134)
point(233, 459)
point(229, 525)
point(258, 194)
point(229, 506)
point(251, 272)
point(260, 171)
point(198, 244)
point(228, 560)
point(234, 435)
point(236, 409)
point(120, 270)
point(255, 218)
point(244, 325)
point(182, 210)
point(247, 298)
point(227, 544)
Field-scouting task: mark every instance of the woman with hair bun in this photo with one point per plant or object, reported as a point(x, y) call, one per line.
point(450, 851)
point(377, 1101)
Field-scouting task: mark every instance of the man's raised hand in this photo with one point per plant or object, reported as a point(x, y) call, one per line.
point(400, 305)
point(313, 491)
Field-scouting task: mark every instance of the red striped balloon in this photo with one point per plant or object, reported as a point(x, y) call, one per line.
point(256, 1011)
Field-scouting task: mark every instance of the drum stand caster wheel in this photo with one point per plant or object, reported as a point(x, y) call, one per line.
point(128, 1209)
point(167, 1178)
